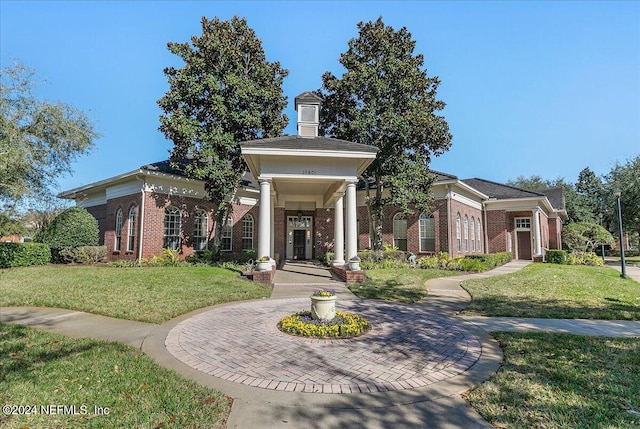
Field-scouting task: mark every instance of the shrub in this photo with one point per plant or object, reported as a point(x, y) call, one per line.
point(584, 258)
point(556, 257)
point(73, 227)
point(23, 254)
point(200, 258)
point(429, 262)
point(239, 257)
point(472, 265)
point(382, 255)
point(327, 258)
point(83, 254)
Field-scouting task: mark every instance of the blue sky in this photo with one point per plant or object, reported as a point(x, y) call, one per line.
point(544, 88)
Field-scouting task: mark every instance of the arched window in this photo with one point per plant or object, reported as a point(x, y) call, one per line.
point(131, 230)
point(473, 234)
point(172, 228)
point(466, 233)
point(119, 222)
point(427, 233)
point(479, 236)
point(247, 232)
point(200, 231)
point(458, 233)
point(227, 231)
point(400, 231)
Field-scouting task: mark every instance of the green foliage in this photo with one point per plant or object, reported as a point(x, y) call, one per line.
point(73, 227)
point(585, 237)
point(389, 253)
point(83, 254)
point(584, 258)
point(23, 254)
point(226, 93)
point(39, 139)
point(385, 99)
point(200, 257)
point(344, 325)
point(327, 258)
point(556, 256)
point(469, 263)
point(239, 257)
point(9, 225)
point(626, 178)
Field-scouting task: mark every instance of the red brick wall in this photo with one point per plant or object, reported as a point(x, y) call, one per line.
point(464, 210)
point(555, 229)
point(100, 213)
point(125, 204)
point(279, 232)
point(155, 205)
point(497, 231)
point(323, 231)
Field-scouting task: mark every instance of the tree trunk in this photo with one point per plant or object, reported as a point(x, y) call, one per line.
point(376, 214)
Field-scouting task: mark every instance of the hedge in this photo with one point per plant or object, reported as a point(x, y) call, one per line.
point(23, 254)
point(556, 257)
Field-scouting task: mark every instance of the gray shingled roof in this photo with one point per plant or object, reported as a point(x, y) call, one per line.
point(309, 143)
point(555, 197)
point(499, 190)
point(165, 167)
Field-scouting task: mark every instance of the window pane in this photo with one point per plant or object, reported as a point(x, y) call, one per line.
point(227, 231)
point(427, 233)
point(400, 231)
point(119, 222)
point(172, 225)
point(247, 232)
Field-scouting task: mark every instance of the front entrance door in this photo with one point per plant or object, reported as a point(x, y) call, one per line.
point(299, 245)
point(524, 244)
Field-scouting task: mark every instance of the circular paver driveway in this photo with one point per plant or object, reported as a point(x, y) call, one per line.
point(407, 347)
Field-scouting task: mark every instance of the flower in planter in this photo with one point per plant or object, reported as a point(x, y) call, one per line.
point(264, 259)
point(355, 259)
point(325, 293)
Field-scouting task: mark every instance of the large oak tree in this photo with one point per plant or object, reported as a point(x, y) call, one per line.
point(38, 139)
point(226, 93)
point(385, 99)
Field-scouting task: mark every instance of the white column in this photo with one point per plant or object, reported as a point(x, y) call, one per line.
point(272, 204)
point(338, 232)
point(264, 222)
point(352, 233)
point(536, 227)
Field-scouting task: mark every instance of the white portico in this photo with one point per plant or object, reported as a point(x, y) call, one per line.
point(301, 174)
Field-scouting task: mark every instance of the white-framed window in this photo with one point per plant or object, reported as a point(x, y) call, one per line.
point(466, 233)
point(131, 230)
point(523, 223)
point(119, 224)
point(427, 226)
point(172, 228)
point(478, 235)
point(473, 234)
point(227, 233)
point(200, 231)
point(458, 232)
point(400, 231)
point(247, 232)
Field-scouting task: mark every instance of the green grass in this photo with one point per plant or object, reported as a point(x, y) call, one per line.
point(562, 381)
point(151, 294)
point(39, 368)
point(556, 291)
point(397, 284)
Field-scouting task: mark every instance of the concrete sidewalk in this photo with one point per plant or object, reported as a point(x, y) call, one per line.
point(194, 345)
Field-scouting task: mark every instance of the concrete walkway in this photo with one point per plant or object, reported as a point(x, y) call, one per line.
point(408, 372)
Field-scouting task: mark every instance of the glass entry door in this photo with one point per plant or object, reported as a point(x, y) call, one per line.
point(299, 234)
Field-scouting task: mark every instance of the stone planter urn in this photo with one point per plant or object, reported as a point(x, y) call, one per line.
point(354, 265)
point(323, 305)
point(263, 264)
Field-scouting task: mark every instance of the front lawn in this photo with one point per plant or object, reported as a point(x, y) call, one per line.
point(556, 291)
point(44, 373)
point(398, 284)
point(147, 294)
point(562, 381)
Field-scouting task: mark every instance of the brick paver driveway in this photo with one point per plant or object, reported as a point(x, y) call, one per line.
point(407, 347)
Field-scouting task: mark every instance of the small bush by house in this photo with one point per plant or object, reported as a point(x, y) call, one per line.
point(23, 254)
point(584, 258)
point(73, 227)
point(83, 255)
point(556, 257)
